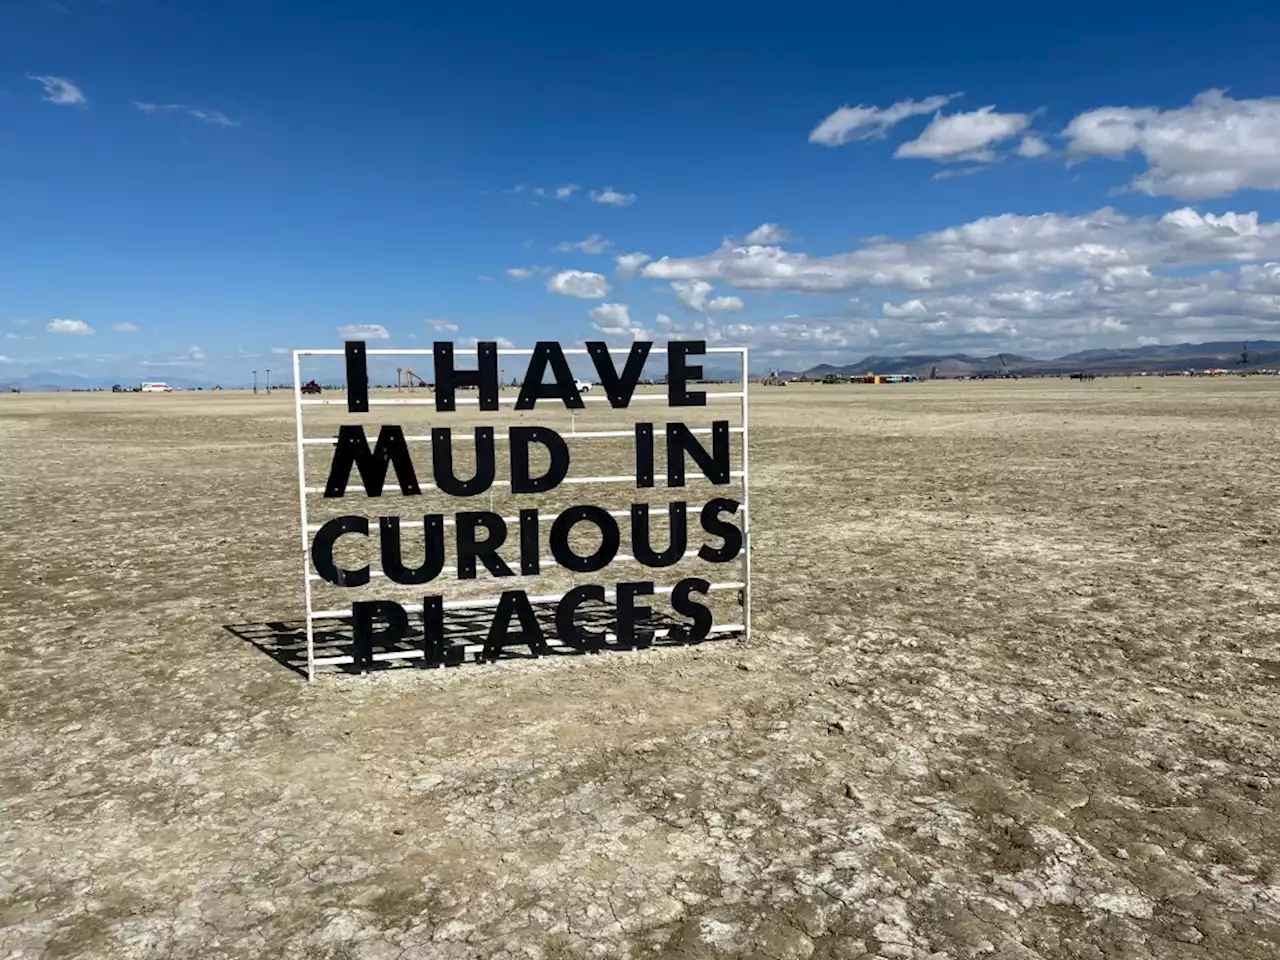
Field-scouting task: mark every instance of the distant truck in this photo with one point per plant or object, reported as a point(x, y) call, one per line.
point(311, 387)
point(583, 386)
point(155, 386)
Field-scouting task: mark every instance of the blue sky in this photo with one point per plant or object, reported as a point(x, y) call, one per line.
point(200, 182)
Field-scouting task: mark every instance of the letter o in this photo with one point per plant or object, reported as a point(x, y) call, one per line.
point(610, 538)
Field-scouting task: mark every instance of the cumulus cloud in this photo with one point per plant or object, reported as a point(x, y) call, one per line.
point(987, 249)
point(964, 136)
point(1032, 146)
point(612, 197)
point(613, 321)
point(768, 234)
point(125, 327)
point(1214, 147)
point(363, 331)
point(471, 342)
point(1041, 284)
point(281, 351)
point(195, 353)
point(566, 191)
point(868, 123)
point(214, 117)
point(441, 325)
point(725, 303)
point(60, 90)
point(629, 263)
point(519, 273)
point(69, 326)
point(579, 283)
point(691, 293)
point(593, 244)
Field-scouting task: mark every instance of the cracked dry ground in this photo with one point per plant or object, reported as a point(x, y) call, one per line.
point(1012, 694)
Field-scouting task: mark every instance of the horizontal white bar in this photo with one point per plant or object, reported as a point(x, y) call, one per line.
point(476, 647)
point(499, 438)
point(481, 603)
point(733, 474)
point(543, 561)
point(653, 515)
point(509, 351)
point(475, 401)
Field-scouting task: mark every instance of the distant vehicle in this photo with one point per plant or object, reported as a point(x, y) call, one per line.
point(311, 387)
point(583, 386)
point(155, 386)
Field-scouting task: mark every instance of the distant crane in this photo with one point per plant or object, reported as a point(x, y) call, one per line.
point(1007, 372)
point(1244, 355)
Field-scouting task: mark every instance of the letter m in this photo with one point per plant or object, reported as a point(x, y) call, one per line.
point(353, 449)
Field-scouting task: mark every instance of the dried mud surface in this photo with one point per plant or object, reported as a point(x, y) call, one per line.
point(1011, 693)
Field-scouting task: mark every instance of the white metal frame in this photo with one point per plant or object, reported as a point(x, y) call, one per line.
point(309, 576)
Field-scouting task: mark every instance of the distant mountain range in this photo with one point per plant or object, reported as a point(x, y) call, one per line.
point(1159, 358)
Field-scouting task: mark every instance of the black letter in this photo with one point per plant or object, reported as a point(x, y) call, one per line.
point(719, 528)
point(442, 462)
point(487, 550)
point(629, 615)
point(322, 551)
point(530, 548)
point(618, 388)
point(679, 373)
point(567, 627)
point(392, 563)
point(644, 454)
point(434, 649)
point(448, 379)
point(642, 548)
point(353, 448)
point(363, 613)
point(520, 438)
point(680, 440)
point(357, 378)
point(565, 387)
point(499, 629)
point(610, 539)
point(686, 606)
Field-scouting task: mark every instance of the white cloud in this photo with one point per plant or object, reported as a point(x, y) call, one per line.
point(629, 263)
point(579, 283)
point(964, 136)
point(1032, 146)
point(614, 322)
point(566, 191)
point(69, 326)
point(519, 273)
point(125, 327)
point(1214, 147)
point(215, 117)
point(868, 123)
point(12, 336)
point(442, 325)
point(470, 342)
point(282, 351)
point(195, 353)
point(593, 244)
point(691, 293)
point(768, 235)
point(725, 303)
point(60, 90)
point(986, 250)
point(363, 331)
point(612, 197)
point(4, 359)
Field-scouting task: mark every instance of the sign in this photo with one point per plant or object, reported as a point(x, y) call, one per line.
point(464, 542)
